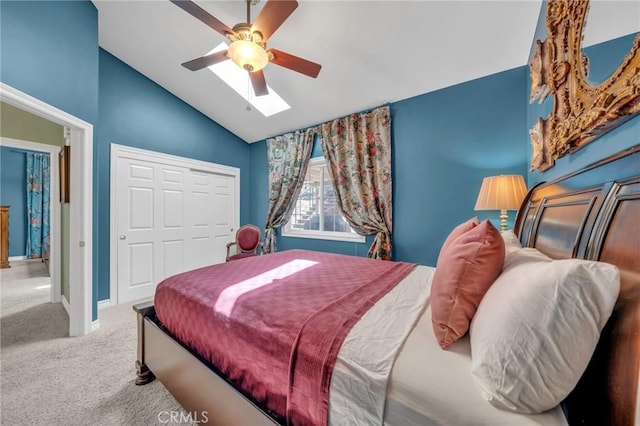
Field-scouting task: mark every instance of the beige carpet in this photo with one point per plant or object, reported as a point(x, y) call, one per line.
point(48, 378)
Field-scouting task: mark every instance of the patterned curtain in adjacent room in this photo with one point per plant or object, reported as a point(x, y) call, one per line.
point(288, 157)
point(37, 205)
point(357, 149)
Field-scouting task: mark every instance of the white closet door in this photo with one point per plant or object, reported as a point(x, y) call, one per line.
point(212, 218)
point(170, 219)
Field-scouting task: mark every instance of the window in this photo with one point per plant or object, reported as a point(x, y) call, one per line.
point(316, 213)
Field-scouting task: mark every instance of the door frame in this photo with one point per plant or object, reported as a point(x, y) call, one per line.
point(80, 208)
point(55, 251)
point(122, 151)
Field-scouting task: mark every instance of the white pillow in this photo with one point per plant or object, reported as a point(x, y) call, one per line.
point(511, 242)
point(537, 326)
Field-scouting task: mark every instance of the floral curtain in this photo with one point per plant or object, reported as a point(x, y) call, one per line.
point(38, 192)
point(358, 153)
point(288, 157)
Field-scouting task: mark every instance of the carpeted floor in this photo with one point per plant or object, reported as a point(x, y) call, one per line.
point(48, 378)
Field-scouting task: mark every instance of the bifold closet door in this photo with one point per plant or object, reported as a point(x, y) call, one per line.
point(170, 219)
point(211, 218)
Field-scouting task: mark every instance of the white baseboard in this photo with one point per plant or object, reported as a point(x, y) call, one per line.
point(95, 325)
point(12, 258)
point(65, 305)
point(104, 303)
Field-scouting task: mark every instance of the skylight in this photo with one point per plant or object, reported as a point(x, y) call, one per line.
point(238, 80)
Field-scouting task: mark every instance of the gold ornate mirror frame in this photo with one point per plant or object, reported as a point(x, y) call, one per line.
point(581, 111)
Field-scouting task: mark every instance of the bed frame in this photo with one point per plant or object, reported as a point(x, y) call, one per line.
point(593, 213)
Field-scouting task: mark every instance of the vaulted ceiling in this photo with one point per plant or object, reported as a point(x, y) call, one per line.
point(371, 52)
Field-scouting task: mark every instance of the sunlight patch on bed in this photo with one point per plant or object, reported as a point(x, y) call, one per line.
point(227, 299)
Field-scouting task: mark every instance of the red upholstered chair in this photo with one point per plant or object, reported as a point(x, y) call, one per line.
point(247, 243)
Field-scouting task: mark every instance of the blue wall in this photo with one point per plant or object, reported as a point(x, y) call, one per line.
point(13, 192)
point(50, 51)
point(444, 143)
point(628, 134)
point(135, 111)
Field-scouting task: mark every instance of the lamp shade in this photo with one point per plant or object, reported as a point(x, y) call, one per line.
point(248, 55)
point(504, 192)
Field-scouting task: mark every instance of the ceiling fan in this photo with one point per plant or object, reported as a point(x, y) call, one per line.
point(248, 42)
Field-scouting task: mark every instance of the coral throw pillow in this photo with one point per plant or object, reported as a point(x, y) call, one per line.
point(459, 230)
point(467, 266)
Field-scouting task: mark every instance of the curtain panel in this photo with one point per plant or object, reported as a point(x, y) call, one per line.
point(38, 198)
point(357, 149)
point(288, 156)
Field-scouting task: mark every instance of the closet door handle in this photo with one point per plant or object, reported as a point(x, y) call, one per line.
point(123, 237)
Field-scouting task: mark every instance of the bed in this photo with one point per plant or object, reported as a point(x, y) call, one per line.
point(591, 214)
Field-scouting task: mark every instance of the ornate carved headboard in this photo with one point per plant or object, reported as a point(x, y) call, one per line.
point(594, 213)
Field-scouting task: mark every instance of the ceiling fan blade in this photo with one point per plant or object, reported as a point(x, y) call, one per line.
point(206, 61)
point(295, 63)
point(272, 15)
point(201, 14)
point(259, 83)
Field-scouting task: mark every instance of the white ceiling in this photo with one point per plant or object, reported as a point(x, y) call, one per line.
point(371, 52)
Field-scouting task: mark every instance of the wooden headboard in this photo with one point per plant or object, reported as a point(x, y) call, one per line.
point(594, 213)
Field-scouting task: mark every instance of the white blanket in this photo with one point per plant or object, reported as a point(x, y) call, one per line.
point(391, 371)
point(361, 373)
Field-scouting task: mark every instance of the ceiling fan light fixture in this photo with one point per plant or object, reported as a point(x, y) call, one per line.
point(248, 55)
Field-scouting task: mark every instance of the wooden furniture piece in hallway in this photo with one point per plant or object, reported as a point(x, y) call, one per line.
point(4, 237)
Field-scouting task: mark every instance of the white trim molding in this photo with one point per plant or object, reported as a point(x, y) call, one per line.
point(81, 206)
point(104, 304)
point(14, 258)
point(55, 252)
point(65, 305)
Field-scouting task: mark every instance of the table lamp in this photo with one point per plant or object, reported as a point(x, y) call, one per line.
point(504, 192)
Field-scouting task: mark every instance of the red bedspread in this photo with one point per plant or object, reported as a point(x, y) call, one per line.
point(274, 324)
